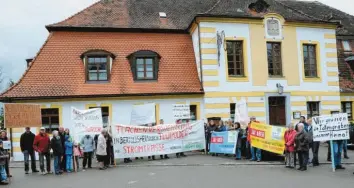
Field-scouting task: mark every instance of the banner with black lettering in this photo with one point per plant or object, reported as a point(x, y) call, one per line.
point(331, 127)
point(139, 141)
point(86, 122)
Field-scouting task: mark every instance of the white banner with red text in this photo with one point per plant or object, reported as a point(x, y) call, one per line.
point(86, 122)
point(139, 141)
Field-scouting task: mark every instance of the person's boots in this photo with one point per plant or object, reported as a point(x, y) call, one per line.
point(345, 154)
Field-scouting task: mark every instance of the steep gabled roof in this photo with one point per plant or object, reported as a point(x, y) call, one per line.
point(144, 14)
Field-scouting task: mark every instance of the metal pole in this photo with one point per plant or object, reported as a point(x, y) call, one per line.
point(332, 156)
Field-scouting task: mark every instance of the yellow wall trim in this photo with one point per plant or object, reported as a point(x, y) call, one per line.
point(329, 36)
point(332, 73)
point(221, 115)
point(211, 84)
point(261, 94)
point(230, 20)
point(18, 130)
point(318, 61)
point(314, 93)
point(331, 45)
point(240, 78)
point(331, 54)
point(330, 102)
point(208, 40)
point(332, 64)
point(198, 109)
point(207, 30)
point(256, 114)
point(209, 62)
point(333, 83)
point(210, 73)
point(16, 149)
point(255, 104)
point(157, 114)
point(110, 110)
point(298, 103)
point(60, 109)
point(209, 51)
point(217, 105)
point(193, 28)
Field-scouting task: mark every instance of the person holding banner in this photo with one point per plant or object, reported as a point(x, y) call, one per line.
point(210, 129)
point(314, 145)
point(289, 138)
point(239, 140)
point(255, 152)
point(5, 138)
point(302, 146)
point(101, 151)
point(163, 156)
point(337, 148)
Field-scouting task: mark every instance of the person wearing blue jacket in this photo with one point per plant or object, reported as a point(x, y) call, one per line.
point(68, 153)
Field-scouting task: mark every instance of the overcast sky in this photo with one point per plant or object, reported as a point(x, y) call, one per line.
point(22, 30)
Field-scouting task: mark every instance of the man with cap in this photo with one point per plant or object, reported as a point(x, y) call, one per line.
point(41, 145)
point(26, 143)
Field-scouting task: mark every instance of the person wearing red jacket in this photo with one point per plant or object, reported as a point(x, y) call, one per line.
point(41, 145)
point(289, 138)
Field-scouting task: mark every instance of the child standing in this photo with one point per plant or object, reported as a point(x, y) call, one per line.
point(68, 153)
point(3, 159)
point(77, 155)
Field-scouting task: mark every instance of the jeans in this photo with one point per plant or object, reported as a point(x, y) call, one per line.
point(303, 158)
point(315, 148)
point(41, 161)
point(256, 154)
point(27, 155)
point(3, 174)
point(87, 157)
point(337, 149)
point(238, 153)
point(345, 147)
point(69, 163)
point(57, 164)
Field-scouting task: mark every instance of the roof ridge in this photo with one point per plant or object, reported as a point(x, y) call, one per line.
point(99, 1)
point(29, 67)
point(333, 8)
point(216, 4)
point(298, 11)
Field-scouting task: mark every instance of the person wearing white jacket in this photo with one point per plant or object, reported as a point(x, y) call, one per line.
point(101, 151)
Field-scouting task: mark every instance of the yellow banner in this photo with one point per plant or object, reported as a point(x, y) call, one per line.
point(267, 137)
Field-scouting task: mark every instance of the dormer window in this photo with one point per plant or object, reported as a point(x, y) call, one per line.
point(98, 65)
point(144, 65)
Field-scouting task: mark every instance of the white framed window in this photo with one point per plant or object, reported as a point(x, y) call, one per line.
point(346, 45)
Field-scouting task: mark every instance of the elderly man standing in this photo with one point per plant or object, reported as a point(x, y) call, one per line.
point(255, 152)
point(41, 144)
point(302, 146)
point(26, 143)
point(88, 145)
point(101, 151)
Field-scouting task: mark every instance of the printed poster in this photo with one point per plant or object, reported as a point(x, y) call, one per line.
point(140, 141)
point(181, 111)
point(331, 127)
point(143, 114)
point(86, 122)
point(223, 142)
point(268, 137)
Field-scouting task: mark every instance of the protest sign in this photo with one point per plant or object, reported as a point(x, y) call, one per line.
point(22, 115)
point(223, 142)
point(139, 141)
point(86, 122)
point(6, 144)
point(181, 111)
point(331, 127)
point(267, 137)
point(143, 114)
point(241, 113)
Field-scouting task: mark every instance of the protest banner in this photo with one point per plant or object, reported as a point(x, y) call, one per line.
point(86, 122)
point(241, 113)
point(22, 115)
point(267, 137)
point(143, 114)
point(331, 127)
point(181, 111)
point(139, 141)
point(223, 142)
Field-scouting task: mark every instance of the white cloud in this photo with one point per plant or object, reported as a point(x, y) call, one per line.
point(22, 30)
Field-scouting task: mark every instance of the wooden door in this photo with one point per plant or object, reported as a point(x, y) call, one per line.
point(277, 112)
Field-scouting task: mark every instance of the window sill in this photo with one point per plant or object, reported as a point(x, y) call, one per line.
point(144, 81)
point(312, 79)
point(98, 82)
point(237, 79)
point(276, 78)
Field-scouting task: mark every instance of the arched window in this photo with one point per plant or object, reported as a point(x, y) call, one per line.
point(98, 64)
point(144, 65)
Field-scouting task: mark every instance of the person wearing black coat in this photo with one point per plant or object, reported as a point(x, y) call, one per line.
point(62, 139)
point(26, 144)
point(108, 150)
point(58, 151)
point(302, 146)
point(209, 130)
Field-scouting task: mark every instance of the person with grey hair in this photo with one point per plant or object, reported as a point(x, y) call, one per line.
point(101, 151)
point(289, 138)
point(58, 152)
point(302, 146)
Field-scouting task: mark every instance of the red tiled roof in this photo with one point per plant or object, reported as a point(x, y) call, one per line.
point(58, 70)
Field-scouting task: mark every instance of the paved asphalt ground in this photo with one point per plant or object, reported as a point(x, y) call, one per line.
point(193, 171)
